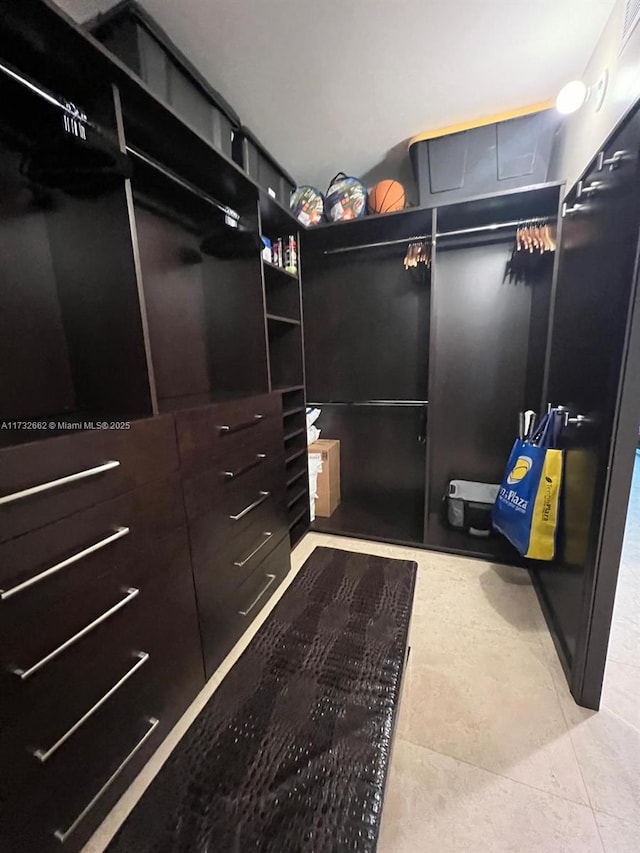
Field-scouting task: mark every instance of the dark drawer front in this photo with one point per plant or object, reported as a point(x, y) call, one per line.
point(59, 578)
point(102, 464)
point(211, 490)
point(219, 571)
point(217, 531)
point(223, 430)
point(224, 622)
point(147, 666)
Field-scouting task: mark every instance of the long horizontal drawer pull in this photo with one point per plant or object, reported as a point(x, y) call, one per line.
point(246, 612)
point(45, 754)
point(226, 428)
point(53, 484)
point(27, 673)
point(120, 532)
point(260, 457)
point(248, 509)
point(61, 834)
point(267, 535)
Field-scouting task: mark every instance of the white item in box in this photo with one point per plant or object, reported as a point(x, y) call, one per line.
point(312, 416)
point(313, 434)
point(315, 467)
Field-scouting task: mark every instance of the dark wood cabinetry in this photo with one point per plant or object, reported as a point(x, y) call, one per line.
point(593, 371)
point(421, 372)
point(78, 728)
point(109, 602)
point(234, 489)
point(46, 480)
point(143, 481)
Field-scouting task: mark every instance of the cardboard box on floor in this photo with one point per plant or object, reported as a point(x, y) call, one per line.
point(329, 478)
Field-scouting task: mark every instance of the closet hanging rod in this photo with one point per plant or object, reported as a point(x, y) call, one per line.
point(406, 403)
point(181, 182)
point(496, 226)
point(61, 103)
point(375, 245)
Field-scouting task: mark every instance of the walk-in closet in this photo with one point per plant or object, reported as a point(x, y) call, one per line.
point(188, 342)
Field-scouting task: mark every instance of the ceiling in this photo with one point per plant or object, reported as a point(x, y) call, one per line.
point(340, 85)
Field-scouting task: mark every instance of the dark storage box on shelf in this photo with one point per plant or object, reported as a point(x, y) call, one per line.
point(134, 37)
point(261, 167)
point(489, 158)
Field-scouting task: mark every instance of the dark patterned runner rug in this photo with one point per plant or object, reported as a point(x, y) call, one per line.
point(291, 753)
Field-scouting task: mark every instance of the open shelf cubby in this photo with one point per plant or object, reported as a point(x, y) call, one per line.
point(299, 528)
point(71, 330)
point(285, 353)
point(277, 273)
point(205, 314)
point(282, 297)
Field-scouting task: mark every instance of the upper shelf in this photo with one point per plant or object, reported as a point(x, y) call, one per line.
point(46, 45)
point(281, 274)
point(524, 203)
point(276, 220)
point(412, 222)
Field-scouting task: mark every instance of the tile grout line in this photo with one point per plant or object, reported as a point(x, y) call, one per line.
point(536, 643)
point(595, 820)
point(617, 817)
point(569, 728)
point(498, 775)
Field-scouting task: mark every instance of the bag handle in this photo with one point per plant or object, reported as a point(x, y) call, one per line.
point(548, 430)
point(339, 176)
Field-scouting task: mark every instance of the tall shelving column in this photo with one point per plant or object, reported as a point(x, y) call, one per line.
point(285, 342)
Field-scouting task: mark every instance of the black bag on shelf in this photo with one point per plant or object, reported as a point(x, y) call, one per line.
point(468, 506)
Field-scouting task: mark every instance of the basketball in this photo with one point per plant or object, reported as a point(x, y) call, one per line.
point(386, 196)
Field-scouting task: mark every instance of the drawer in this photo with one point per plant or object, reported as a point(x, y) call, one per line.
point(73, 472)
point(216, 531)
point(60, 577)
point(223, 429)
point(222, 623)
point(218, 571)
point(211, 490)
point(150, 668)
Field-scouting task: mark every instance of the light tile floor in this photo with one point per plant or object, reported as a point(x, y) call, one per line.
point(491, 753)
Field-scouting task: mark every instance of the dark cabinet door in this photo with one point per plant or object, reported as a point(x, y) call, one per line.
point(589, 353)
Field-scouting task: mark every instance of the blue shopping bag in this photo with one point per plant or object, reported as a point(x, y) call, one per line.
point(526, 510)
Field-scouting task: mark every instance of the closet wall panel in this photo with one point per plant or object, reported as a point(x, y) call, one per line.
point(175, 307)
point(598, 263)
point(366, 327)
point(94, 266)
point(480, 343)
point(39, 381)
point(234, 309)
point(381, 470)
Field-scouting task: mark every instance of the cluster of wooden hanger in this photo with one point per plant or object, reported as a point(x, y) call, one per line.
point(531, 255)
point(418, 253)
point(536, 236)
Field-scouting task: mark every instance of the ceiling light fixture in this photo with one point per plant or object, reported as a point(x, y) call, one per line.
point(576, 93)
point(571, 97)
